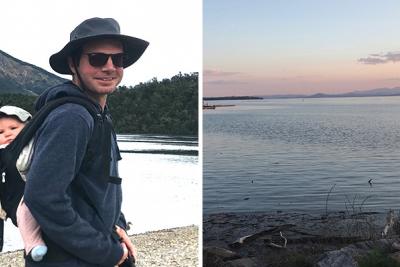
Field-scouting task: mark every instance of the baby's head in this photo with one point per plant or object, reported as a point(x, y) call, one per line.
point(12, 120)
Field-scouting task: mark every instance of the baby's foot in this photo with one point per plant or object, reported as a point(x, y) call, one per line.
point(38, 252)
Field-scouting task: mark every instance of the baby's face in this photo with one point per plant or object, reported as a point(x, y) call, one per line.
point(9, 129)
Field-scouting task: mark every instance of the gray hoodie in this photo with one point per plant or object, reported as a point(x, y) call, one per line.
point(63, 213)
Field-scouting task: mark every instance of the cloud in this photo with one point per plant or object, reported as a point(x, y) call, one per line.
point(218, 73)
point(375, 59)
point(299, 78)
point(372, 60)
point(392, 79)
point(222, 78)
point(224, 82)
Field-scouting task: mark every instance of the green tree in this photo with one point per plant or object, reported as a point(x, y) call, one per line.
point(169, 106)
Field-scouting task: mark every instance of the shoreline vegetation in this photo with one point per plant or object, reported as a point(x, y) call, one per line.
point(169, 247)
point(208, 106)
point(365, 93)
point(168, 107)
point(166, 152)
point(294, 239)
point(319, 238)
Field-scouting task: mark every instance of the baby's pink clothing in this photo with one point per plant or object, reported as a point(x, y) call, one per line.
point(28, 227)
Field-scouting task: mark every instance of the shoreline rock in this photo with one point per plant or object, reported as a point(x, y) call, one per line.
point(346, 257)
point(169, 247)
point(285, 238)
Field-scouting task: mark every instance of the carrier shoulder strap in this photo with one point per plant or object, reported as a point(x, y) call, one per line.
point(12, 151)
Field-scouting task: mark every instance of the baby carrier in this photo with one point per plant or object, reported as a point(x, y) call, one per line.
point(12, 185)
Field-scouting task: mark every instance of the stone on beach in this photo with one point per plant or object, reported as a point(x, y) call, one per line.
point(170, 247)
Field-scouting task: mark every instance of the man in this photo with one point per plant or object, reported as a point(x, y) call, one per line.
point(73, 189)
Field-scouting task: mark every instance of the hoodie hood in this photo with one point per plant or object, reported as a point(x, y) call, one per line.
point(61, 90)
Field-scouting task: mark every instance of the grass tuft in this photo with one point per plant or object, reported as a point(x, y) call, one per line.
point(377, 258)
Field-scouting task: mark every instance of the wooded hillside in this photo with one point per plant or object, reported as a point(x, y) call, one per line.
point(169, 106)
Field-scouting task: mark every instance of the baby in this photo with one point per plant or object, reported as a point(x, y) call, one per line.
point(12, 121)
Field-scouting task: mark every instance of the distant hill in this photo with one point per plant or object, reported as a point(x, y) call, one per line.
point(169, 106)
point(395, 91)
point(20, 77)
point(373, 92)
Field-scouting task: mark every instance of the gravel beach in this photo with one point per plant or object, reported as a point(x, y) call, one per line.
point(170, 247)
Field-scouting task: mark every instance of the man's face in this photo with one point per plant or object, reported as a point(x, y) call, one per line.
point(100, 80)
point(9, 129)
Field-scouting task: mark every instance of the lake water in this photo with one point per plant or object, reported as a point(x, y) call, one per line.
point(288, 154)
point(161, 184)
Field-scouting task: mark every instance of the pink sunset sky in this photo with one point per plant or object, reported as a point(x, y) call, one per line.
point(299, 47)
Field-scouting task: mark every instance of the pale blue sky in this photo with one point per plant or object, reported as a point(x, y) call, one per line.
point(33, 30)
point(304, 46)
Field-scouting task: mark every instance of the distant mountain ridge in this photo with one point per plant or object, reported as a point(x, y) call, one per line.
point(395, 91)
point(19, 77)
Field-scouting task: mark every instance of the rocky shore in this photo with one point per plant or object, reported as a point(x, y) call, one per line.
point(292, 239)
point(170, 247)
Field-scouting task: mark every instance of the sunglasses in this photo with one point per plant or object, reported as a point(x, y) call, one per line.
point(100, 59)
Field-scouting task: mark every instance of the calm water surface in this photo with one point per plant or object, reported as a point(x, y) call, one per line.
point(267, 155)
point(161, 181)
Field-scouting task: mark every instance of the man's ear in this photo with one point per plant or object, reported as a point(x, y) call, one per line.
point(71, 66)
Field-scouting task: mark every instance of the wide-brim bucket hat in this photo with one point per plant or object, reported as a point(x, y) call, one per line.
point(93, 29)
point(12, 111)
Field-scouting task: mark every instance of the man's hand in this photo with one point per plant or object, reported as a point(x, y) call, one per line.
point(125, 255)
point(125, 240)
